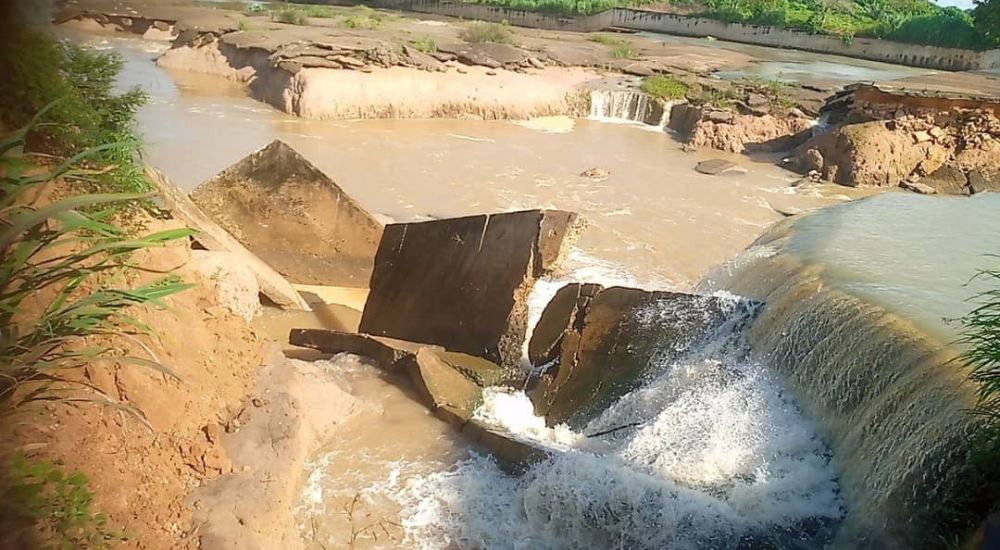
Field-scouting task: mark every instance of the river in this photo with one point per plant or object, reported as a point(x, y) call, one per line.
point(722, 456)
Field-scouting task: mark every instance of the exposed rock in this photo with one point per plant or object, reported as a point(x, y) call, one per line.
point(811, 160)
point(946, 180)
point(720, 117)
point(293, 216)
point(921, 136)
point(719, 167)
point(463, 283)
point(918, 187)
point(235, 281)
point(605, 341)
point(162, 25)
point(738, 133)
point(980, 182)
point(486, 54)
point(598, 174)
point(211, 236)
point(869, 154)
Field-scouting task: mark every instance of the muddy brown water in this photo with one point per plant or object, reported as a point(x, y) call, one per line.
point(653, 222)
point(654, 217)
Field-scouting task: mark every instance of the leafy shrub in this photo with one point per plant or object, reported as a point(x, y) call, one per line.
point(481, 31)
point(425, 44)
point(664, 87)
point(38, 71)
point(949, 27)
point(255, 8)
point(49, 506)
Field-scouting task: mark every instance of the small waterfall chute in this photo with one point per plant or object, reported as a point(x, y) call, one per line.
point(622, 105)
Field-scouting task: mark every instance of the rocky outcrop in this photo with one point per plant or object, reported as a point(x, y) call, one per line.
point(213, 237)
point(462, 283)
point(288, 212)
point(600, 344)
point(729, 130)
point(719, 167)
point(450, 384)
point(940, 149)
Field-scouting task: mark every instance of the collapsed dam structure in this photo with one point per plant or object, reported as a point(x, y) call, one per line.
point(494, 295)
point(661, 419)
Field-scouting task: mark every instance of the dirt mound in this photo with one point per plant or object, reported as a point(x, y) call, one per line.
point(910, 145)
point(727, 130)
point(142, 477)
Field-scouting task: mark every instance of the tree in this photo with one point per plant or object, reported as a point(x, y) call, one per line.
point(987, 20)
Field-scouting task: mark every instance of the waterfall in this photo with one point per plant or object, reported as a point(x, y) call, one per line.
point(628, 106)
point(714, 455)
point(853, 324)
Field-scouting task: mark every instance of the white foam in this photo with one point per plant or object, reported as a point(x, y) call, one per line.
point(513, 412)
point(719, 454)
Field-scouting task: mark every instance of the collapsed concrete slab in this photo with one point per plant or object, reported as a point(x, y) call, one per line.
point(215, 238)
point(463, 283)
point(601, 343)
point(450, 384)
point(288, 212)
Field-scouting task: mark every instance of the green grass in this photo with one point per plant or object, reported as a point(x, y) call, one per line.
point(290, 16)
point(608, 40)
point(625, 51)
point(482, 32)
point(424, 44)
point(664, 87)
point(44, 506)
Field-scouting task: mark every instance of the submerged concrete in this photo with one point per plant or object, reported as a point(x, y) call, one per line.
point(292, 215)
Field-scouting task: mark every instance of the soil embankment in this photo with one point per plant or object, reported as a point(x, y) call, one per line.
point(141, 474)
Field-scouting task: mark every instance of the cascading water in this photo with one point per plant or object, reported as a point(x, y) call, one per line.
point(858, 298)
point(628, 106)
point(716, 456)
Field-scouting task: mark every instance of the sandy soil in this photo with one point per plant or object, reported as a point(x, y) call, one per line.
point(142, 477)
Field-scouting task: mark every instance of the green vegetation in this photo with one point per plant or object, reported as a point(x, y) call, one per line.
point(608, 40)
point(481, 31)
point(61, 255)
point(38, 71)
point(64, 298)
point(911, 21)
point(625, 51)
point(41, 502)
point(290, 16)
point(424, 44)
point(664, 87)
point(981, 338)
point(981, 335)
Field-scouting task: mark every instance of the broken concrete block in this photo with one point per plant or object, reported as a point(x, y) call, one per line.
point(385, 352)
point(294, 217)
point(212, 237)
point(463, 283)
point(607, 341)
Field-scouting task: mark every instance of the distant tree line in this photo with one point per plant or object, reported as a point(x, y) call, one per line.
point(911, 21)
